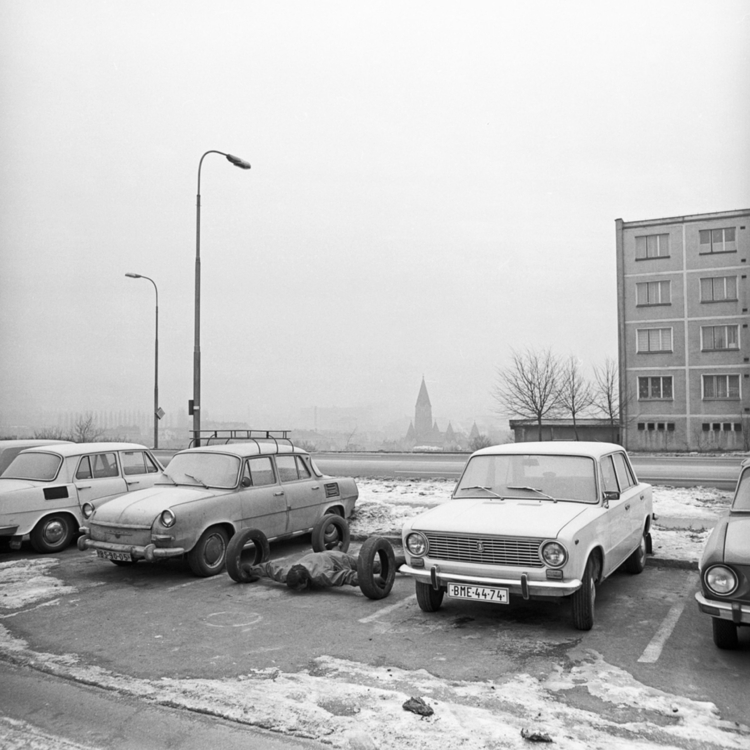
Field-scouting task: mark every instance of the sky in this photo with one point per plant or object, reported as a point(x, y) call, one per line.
point(433, 186)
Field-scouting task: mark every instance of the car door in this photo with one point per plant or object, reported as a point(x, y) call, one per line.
point(617, 525)
point(98, 477)
point(139, 468)
point(304, 494)
point(634, 502)
point(262, 499)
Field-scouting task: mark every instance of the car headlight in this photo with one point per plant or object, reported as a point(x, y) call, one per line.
point(721, 580)
point(416, 544)
point(87, 509)
point(167, 518)
point(554, 554)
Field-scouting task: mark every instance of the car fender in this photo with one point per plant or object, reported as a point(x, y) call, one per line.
point(24, 507)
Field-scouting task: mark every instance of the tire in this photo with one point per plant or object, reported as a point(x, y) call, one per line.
point(583, 600)
point(428, 599)
point(725, 634)
point(637, 561)
point(238, 554)
point(53, 533)
point(376, 553)
point(208, 556)
point(331, 532)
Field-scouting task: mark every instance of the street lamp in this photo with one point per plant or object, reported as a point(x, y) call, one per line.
point(196, 404)
point(157, 411)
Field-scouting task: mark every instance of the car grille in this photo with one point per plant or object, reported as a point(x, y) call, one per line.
point(116, 533)
point(486, 550)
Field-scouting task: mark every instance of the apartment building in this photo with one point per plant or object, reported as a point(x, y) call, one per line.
point(684, 344)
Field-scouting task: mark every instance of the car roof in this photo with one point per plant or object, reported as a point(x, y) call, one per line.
point(76, 449)
point(260, 447)
point(29, 443)
point(552, 448)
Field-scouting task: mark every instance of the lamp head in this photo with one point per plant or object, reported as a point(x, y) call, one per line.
point(241, 163)
point(134, 275)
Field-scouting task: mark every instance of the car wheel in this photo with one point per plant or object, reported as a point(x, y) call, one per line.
point(53, 533)
point(637, 561)
point(584, 599)
point(208, 556)
point(239, 554)
point(331, 532)
point(428, 599)
point(376, 567)
point(725, 633)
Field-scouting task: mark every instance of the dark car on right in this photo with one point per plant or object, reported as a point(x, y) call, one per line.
point(725, 568)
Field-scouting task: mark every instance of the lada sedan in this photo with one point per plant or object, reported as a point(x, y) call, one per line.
point(43, 489)
point(532, 520)
point(207, 494)
point(725, 568)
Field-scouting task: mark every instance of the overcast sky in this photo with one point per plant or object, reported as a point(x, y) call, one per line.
point(433, 184)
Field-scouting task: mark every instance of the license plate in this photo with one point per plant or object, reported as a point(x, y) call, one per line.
point(105, 554)
point(480, 593)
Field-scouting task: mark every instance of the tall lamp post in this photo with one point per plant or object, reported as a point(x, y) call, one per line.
point(196, 404)
point(157, 411)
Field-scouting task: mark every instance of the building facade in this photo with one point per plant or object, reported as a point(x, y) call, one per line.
point(684, 344)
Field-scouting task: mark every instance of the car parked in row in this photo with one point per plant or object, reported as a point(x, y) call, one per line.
point(207, 494)
point(43, 488)
point(725, 568)
point(9, 449)
point(532, 520)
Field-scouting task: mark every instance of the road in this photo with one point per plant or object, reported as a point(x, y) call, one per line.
point(137, 631)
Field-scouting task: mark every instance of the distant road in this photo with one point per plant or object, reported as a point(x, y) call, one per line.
point(678, 471)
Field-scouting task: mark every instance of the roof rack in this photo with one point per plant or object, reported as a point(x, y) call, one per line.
point(222, 437)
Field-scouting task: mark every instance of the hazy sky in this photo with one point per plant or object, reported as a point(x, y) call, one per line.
point(433, 184)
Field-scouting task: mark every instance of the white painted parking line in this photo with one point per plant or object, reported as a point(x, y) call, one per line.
point(388, 610)
point(653, 651)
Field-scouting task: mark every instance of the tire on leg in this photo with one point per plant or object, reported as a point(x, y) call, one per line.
point(331, 532)
point(376, 554)
point(239, 554)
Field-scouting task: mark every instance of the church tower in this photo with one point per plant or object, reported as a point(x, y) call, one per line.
point(423, 426)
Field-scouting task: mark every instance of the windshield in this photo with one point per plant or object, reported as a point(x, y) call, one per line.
point(530, 476)
point(742, 498)
point(39, 467)
point(203, 469)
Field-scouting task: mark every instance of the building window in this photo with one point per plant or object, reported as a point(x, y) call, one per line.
point(653, 293)
point(722, 427)
point(654, 340)
point(719, 289)
point(721, 387)
point(718, 240)
point(652, 246)
point(655, 388)
point(716, 338)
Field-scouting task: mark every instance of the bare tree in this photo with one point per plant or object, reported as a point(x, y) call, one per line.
point(85, 431)
point(528, 388)
point(575, 393)
point(479, 442)
point(606, 392)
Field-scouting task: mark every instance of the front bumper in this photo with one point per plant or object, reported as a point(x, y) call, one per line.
point(148, 552)
point(523, 585)
point(738, 613)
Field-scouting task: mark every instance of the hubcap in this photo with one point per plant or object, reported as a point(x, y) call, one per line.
point(54, 532)
point(214, 550)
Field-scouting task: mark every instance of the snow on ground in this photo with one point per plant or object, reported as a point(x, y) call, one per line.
point(355, 706)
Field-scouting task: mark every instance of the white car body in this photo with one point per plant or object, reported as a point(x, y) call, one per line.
point(43, 488)
point(532, 520)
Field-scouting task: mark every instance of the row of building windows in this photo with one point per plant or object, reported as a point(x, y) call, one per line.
point(713, 339)
point(713, 387)
point(723, 240)
point(706, 426)
point(712, 289)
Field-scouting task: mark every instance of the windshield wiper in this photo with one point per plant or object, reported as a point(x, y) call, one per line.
point(486, 489)
point(200, 481)
point(171, 478)
point(533, 489)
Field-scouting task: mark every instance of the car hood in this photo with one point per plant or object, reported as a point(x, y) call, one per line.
point(142, 506)
point(502, 517)
point(737, 540)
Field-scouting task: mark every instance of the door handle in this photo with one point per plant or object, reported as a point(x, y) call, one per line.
point(278, 494)
point(316, 487)
point(83, 486)
point(135, 481)
point(627, 507)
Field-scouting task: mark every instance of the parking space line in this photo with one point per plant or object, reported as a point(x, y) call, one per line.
point(387, 610)
point(653, 651)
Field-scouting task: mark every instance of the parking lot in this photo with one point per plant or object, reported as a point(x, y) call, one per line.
point(213, 645)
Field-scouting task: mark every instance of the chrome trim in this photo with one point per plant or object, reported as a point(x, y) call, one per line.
point(737, 612)
point(138, 552)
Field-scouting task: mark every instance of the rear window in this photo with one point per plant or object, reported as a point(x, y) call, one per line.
point(38, 467)
point(742, 498)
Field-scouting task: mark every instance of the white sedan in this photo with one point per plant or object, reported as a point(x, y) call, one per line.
point(43, 489)
point(532, 520)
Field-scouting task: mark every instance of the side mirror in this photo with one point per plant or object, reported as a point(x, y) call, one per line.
point(246, 482)
point(611, 495)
